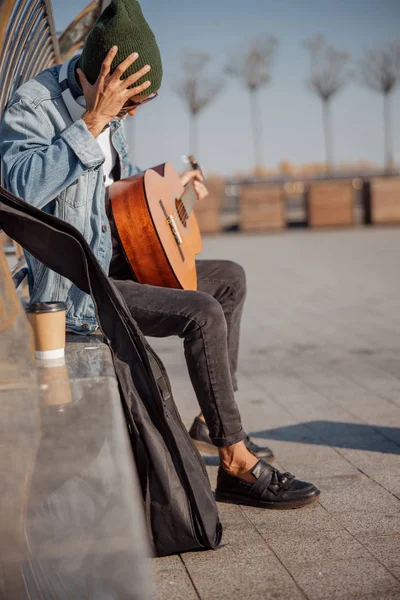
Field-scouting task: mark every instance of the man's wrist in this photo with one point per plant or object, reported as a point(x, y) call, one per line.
point(94, 124)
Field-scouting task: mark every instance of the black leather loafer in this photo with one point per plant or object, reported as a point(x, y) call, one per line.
point(201, 438)
point(271, 489)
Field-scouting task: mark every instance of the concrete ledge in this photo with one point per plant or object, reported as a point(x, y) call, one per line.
point(88, 356)
point(71, 505)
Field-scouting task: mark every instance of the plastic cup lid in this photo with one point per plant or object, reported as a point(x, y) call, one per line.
point(46, 307)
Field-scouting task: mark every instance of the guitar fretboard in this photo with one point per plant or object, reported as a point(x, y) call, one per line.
point(189, 198)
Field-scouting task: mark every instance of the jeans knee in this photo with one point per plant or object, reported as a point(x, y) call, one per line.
point(212, 315)
point(206, 313)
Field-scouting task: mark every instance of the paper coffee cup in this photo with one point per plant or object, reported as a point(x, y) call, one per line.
point(48, 323)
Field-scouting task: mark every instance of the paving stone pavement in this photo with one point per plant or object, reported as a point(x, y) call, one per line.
point(319, 381)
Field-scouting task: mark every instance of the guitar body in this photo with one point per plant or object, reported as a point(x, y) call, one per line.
point(141, 207)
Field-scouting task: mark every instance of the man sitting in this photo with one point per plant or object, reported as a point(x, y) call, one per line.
point(62, 146)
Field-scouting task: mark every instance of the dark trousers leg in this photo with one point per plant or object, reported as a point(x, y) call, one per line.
point(226, 282)
point(199, 319)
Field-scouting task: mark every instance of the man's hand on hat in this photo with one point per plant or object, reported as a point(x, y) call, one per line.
point(105, 99)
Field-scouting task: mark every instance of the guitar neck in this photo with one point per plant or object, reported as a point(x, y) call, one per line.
point(189, 198)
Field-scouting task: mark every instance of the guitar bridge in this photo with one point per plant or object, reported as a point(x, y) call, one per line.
point(174, 229)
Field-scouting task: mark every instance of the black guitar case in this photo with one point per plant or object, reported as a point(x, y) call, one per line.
point(179, 503)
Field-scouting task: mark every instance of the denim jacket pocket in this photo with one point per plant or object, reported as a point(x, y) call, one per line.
point(77, 194)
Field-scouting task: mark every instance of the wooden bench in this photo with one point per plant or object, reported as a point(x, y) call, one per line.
point(63, 437)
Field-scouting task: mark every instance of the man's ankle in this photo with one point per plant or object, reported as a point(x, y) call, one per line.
point(236, 459)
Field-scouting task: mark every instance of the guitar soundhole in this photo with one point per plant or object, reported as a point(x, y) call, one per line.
point(181, 210)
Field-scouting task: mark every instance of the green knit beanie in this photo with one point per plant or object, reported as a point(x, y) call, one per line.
point(122, 24)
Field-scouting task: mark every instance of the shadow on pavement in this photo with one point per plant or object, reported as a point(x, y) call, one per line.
point(354, 436)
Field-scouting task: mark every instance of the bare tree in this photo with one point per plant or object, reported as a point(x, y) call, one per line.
point(328, 75)
point(253, 68)
point(380, 71)
point(197, 89)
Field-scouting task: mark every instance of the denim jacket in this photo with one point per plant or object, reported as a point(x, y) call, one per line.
point(55, 164)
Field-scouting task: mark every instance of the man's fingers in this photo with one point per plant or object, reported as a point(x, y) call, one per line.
point(137, 90)
point(82, 78)
point(107, 62)
point(189, 175)
point(124, 65)
point(136, 76)
point(201, 190)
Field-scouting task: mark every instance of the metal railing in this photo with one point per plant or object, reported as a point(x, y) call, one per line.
point(74, 36)
point(28, 43)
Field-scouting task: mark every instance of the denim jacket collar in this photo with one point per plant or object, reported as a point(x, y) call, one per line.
point(73, 84)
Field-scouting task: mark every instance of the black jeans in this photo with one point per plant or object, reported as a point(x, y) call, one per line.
point(209, 322)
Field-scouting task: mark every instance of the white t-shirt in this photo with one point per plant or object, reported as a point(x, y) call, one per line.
point(104, 139)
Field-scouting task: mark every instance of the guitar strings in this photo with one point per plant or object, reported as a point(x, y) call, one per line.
point(184, 211)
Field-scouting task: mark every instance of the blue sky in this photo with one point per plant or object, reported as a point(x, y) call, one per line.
point(292, 127)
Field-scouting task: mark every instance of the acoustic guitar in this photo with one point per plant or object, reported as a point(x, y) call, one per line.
point(157, 228)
